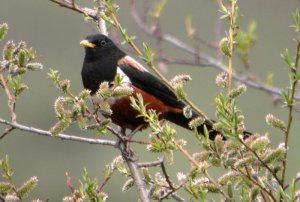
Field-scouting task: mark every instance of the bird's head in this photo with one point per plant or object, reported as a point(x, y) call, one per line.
point(99, 47)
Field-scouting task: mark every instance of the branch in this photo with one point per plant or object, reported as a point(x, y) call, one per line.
point(192, 160)
point(75, 7)
point(11, 99)
point(61, 136)
point(136, 175)
point(158, 162)
point(208, 60)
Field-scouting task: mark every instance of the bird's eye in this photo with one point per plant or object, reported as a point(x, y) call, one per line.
point(102, 43)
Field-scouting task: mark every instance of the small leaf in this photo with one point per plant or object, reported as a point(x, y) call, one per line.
point(190, 30)
point(146, 174)
point(8, 50)
point(286, 57)
point(269, 79)
point(22, 58)
point(157, 11)
point(148, 53)
point(3, 30)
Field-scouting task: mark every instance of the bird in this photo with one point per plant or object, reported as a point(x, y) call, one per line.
point(104, 59)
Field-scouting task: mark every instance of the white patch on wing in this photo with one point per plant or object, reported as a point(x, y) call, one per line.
point(125, 78)
point(136, 63)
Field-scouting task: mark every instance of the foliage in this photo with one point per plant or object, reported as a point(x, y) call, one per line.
point(251, 169)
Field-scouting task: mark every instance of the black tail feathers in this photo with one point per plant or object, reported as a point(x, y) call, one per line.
point(181, 120)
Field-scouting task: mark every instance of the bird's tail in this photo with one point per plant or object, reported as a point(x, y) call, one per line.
point(181, 120)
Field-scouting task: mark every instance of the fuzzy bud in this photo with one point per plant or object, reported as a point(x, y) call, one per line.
point(196, 122)
point(224, 46)
point(128, 184)
point(65, 85)
point(180, 79)
point(24, 190)
point(274, 155)
point(11, 198)
point(238, 91)
point(246, 161)
point(60, 126)
point(260, 143)
point(103, 196)
point(84, 94)
point(5, 187)
point(222, 80)
point(8, 50)
point(275, 122)
point(181, 177)
point(228, 177)
point(22, 58)
point(34, 66)
point(68, 199)
point(121, 91)
point(104, 91)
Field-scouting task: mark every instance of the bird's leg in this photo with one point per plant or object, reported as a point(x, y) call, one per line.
point(133, 132)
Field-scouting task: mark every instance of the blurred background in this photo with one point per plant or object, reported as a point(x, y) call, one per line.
point(55, 33)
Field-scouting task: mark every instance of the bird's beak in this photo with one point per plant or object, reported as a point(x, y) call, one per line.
point(87, 44)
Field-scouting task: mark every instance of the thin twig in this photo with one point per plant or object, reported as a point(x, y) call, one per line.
point(166, 176)
point(261, 161)
point(11, 99)
point(155, 70)
point(72, 6)
point(6, 132)
point(208, 60)
point(106, 180)
point(69, 183)
point(256, 183)
point(290, 113)
point(61, 136)
point(231, 41)
point(158, 162)
point(191, 159)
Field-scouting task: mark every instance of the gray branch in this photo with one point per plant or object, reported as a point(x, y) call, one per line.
point(138, 181)
point(61, 136)
point(206, 59)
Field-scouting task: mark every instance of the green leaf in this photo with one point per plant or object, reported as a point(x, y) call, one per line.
point(148, 54)
point(158, 9)
point(9, 50)
point(8, 173)
point(286, 57)
point(22, 58)
point(3, 30)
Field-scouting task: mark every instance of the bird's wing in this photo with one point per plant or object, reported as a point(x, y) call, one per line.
point(142, 79)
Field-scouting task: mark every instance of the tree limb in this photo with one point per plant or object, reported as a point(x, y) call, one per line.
point(61, 136)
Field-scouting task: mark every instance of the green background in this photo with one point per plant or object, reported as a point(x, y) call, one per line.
point(55, 33)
